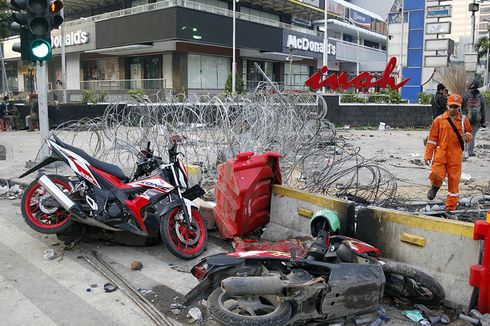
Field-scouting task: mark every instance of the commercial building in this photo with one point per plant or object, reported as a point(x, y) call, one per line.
point(186, 46)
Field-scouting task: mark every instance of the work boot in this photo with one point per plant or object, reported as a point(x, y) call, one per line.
point(432, 193)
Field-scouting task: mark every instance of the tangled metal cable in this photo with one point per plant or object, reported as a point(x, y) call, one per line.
point(215, 128)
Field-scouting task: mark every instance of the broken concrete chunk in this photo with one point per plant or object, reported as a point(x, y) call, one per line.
point(195, 314)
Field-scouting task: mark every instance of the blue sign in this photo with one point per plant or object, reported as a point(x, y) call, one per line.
point(360, 18)
point(439, 11)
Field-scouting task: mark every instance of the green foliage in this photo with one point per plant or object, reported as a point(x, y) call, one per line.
point(481, 47)
point(136, 92)
point(395, 96)
point(239, 84)
point(92, 96)
point(5, 20)
point(424, 98)
point(351, 97)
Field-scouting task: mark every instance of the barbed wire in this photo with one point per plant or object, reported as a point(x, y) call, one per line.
point(216, 128)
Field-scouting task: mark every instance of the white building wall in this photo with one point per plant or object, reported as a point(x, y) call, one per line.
point(167, 70)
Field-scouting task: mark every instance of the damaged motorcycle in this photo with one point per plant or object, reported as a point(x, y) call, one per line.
point(335, 279)
point(157, 201)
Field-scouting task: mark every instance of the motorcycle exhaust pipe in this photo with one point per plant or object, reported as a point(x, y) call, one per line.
point(258, 285)
point(56, 192)
point(263, 285)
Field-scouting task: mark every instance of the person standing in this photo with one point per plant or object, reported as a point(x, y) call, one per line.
point(439, 101)
point(474, 109)
point(445, 149)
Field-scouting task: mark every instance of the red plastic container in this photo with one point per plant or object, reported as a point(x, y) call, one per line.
point(480, 274)
point(243, 192)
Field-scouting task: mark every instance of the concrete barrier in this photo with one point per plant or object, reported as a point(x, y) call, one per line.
point(442, 248)
point(292, 209)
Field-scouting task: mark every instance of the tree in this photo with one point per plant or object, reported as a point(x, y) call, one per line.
point(238, 87)
point(481, 47)
point(5, 20)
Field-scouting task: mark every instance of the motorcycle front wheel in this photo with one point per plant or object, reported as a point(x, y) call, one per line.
point(41, 211)
point(249, 310)
point(407, 282)
point(180, 240)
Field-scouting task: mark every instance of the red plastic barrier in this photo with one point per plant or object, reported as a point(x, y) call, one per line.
point(243, 192)
point(480, 274)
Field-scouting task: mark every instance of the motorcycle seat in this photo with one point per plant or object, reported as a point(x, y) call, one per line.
point(106, 167)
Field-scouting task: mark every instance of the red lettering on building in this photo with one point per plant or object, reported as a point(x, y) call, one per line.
point(364, 80)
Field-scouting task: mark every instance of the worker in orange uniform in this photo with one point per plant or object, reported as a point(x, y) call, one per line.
point(444, 149)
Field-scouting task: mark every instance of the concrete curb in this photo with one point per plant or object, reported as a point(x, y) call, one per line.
point(442, 248)
point(292, 209)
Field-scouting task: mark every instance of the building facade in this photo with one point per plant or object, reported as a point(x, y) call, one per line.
point(186, 46)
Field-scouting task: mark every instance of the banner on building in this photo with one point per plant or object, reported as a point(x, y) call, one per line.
point(359, 18)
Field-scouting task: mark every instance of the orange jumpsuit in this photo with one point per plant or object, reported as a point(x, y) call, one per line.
point(444, 149)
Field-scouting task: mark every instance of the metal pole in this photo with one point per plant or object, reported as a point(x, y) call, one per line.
point(325, 36)
point(401, 41)
point(4, 73)
point(42, 83)
point(63, 57)
point(358, 49)
point(486, 71)
point(473, 27)
point(290, 66)
point(233, 67)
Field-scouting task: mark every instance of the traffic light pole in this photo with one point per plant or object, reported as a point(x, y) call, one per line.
point(42, 89)
point(63, 58)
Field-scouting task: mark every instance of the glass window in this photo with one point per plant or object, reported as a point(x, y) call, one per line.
point(248, 12)
point(299, 74)
point(207, 72)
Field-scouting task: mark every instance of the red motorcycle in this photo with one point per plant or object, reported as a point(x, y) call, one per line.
point(334, 279)
point(101, 195)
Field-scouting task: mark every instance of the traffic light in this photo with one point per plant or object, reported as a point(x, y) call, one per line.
point(35, 25)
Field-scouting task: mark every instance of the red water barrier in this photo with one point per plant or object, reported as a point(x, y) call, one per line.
point(480, 274)
point(243, 192)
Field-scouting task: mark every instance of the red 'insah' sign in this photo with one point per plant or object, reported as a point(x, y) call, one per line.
point(364, 80)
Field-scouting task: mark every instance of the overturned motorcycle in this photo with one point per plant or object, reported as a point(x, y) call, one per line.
point(336, 278)
point(101, 195)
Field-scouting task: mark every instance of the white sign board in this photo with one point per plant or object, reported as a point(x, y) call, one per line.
point(438, 28)
point(437, 45)
point(436, 61)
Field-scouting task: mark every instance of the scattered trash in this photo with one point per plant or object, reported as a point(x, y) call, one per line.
point(485, 320)
point(417, 162)
point(476, 314)
point(194, 313)
point(12, 197)
point(472, 320)
point(176, 308)
point(413, 315)
point(136, 265)
point(144, 291)
point(3, 190)
point(465, 177)
point(442, 318)
point(177, 268)
point(93, 285)
point(50, 254)
point(15, 189)
point(363, 320)
point(88, 290)
point(382, 126)
point(109, 287)
point(346, 127)
point(383, 315)
point(414, 155)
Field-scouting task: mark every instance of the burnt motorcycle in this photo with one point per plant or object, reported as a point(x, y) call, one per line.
point(335, 278)
point(157, 201)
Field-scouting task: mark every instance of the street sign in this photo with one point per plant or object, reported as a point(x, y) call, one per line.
point(436, 61)
point(437, 45)
point(438, 28)
point(439, 11)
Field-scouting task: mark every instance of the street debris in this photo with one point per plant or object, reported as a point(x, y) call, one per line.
point(194, 314)
point(50, 254)
point(144, 291)
point(414, 315)
point(472, 320)
point(136, 265)
point(465, 177)
point(109, 287)
point(177, 268)
point(93, 285)
point(176, 308)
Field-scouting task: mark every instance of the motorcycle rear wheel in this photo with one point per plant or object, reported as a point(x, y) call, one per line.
point(410, 283)
point(41, 218)
point(251, 310)
point(179, 240)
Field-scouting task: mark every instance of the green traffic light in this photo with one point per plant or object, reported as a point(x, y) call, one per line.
point(41, 49)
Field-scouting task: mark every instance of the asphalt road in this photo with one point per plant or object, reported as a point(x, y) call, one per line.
point(38, 291)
